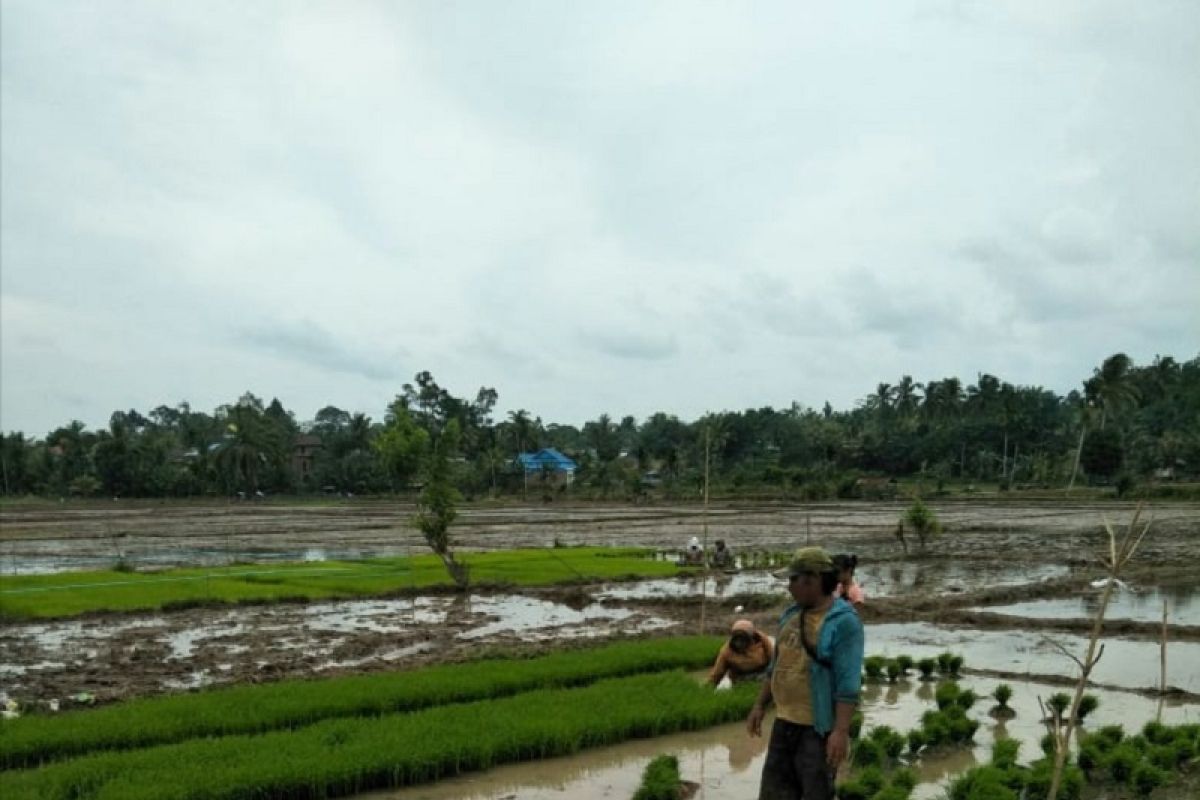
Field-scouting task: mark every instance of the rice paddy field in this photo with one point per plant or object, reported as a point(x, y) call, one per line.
point(297, 651)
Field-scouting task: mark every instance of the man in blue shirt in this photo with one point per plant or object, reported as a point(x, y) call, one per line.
point(815, 680)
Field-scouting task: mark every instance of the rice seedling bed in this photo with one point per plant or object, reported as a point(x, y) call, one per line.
point(30, 741)
point(342, 756)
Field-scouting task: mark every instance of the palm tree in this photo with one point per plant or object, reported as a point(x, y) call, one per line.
point(1111, 386)
point(522, 428)
point(905, 395)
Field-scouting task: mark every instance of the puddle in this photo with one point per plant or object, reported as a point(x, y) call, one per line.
point(1140, 605)
point(715, 586)
point(961, 575)
point(728, 764)
point(1126, 663)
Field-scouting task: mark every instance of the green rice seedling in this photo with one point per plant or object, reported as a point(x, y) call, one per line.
point(1002, 694)
point(1037, 784)
point(872, 779)
point(1146, 778)
point(856, 725)
point(867, 753)
point(660, 780)
point(853, 790)
point(956, 665)
point(1058, 703)
point(1109, 736)
point(963, 729)
point(893, 671)
point(943, 662)
point(904, 778)
point(873, 666)
point(1089, 757)
point(350, 755)
point(1004, 752)
point(1121, 761)
point(905, 663)
point(1087, 706)
point(966, 699)
point(1157, 733)
point(1162, 756)
point(946, 695)
point(926, 666)
point(982, 783)
point(890, 792)
point(259, 708)
point(916, 740)
point(1048, 743)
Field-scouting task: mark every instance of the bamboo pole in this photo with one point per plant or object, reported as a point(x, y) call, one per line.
point(1162, 682)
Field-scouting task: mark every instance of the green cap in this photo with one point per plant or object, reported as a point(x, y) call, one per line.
point(810, 559)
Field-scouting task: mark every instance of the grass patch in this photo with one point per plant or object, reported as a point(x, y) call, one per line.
point(31, 741)
point(72, 593)
point(344, 756)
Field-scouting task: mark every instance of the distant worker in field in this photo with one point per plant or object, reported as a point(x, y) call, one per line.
point(746, 655)
point(722, 557)
point(848, 588)
point(694, 554)
point(815, 681)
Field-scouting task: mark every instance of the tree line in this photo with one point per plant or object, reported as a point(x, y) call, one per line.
point(1125, 423)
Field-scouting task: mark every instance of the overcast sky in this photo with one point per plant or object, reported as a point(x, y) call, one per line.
point(606, 206)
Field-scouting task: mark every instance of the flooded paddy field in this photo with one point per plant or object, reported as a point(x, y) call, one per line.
point(1021, 569)
point(52, 537)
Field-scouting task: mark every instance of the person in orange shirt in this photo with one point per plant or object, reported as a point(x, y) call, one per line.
point(847, 587)
point(747, 653)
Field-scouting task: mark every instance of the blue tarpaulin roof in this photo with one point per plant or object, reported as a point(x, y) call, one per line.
point(549, 458)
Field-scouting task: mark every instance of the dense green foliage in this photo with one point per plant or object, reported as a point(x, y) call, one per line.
point(343, 756)
point(69, 593)
point(1124, 424)
point(31, 740)
point(660, 780)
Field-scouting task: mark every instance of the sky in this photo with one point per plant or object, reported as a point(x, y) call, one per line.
point(619, 207)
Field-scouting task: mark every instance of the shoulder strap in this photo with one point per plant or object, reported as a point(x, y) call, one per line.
point(808, 646)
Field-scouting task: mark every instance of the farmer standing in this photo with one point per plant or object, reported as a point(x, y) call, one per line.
point(815, 680)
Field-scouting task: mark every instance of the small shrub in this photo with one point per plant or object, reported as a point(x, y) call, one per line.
point(1146, 778)
point(921, 519)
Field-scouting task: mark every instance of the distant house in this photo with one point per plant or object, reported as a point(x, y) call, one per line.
point(547, 464)
point(304, 454)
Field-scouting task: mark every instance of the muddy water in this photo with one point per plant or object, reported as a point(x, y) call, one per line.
point(1126, 663)
point(1139, 604)
point(146, 653)
point(727, 763)
point(878, 580)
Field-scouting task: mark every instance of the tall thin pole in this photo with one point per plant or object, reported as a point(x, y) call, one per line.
point(704, 571)
point(1162, 681)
